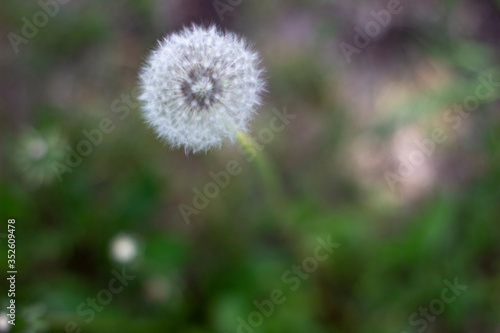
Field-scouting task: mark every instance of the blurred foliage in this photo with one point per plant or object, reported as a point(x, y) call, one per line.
point(396, 248)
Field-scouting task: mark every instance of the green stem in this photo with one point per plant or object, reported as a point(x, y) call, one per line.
point(275, 195)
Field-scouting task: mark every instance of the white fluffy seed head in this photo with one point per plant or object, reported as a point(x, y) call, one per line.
point(124, 248)
point(4, 322)
point(199, 87)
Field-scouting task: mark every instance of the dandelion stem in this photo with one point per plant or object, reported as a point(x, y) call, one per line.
point(275, 194)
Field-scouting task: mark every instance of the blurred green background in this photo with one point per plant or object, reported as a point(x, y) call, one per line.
point(341, 162)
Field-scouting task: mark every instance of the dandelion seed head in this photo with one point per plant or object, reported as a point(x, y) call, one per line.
point(124, 248)
point(35, 153)
point(199, 87)
point(37, 148)
point(4, 325)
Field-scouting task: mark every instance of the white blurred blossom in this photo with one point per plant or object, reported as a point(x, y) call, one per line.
point(124, 248)
point(4, 325)
point(34, 154)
